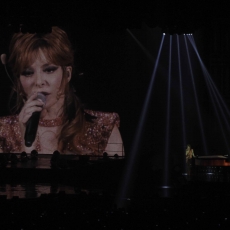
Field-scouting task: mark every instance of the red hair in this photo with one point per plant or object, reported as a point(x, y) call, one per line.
point(57, 48)
point(55, 45)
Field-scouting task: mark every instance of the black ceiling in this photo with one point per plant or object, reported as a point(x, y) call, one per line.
point(115, 15)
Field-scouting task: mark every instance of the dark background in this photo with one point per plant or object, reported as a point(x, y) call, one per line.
point(113, 72)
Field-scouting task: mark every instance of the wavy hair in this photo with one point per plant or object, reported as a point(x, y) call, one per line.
point(57, 48)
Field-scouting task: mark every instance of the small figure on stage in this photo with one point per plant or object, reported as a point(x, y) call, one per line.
point(189, 153)
point(48, 116)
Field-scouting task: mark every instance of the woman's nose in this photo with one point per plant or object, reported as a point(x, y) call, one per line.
point(39, 81)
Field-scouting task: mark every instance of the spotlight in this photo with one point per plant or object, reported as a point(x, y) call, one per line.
point(177, 29)
point(172, 29)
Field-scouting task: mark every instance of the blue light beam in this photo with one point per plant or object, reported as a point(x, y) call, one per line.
point(166, 162)
point(148, 54)
point(215, 96)
point(212, 84)
point(127, 178)
point(196, 98)
point(181, 97)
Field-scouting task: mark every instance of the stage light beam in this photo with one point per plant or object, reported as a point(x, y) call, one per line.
point(181, 100)
point(196, 98)
point(216, 99)
point(167, 138)
point(130, 167)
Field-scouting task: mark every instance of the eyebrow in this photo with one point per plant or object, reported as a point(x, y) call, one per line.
point(43, 66)
point(48, 64)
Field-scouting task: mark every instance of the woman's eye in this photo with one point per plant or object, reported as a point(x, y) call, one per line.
point(50, 69)
point(27, 73)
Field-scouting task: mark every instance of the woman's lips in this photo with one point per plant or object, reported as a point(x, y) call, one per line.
point(45, 93)
point(42, 97)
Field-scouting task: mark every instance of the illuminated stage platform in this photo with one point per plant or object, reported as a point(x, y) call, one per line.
point(214, 160)
point(214, 168)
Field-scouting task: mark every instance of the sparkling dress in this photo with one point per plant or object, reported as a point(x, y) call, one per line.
point(93, 141)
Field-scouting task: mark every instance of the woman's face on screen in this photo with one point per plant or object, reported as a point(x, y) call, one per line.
point(45, 77)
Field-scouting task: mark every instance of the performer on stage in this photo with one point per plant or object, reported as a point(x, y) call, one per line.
point(43, 64)
point(189, 153)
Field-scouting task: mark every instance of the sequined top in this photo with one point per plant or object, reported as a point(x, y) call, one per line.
point(94, 140)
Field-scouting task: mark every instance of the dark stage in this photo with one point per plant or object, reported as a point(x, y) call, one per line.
point(81, 192)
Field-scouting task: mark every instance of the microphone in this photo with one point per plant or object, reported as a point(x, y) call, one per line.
point(32, 124)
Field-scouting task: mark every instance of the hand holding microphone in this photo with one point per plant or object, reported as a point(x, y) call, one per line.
point(30, 115)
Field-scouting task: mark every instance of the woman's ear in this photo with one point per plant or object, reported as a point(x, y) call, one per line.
point(69, 72)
